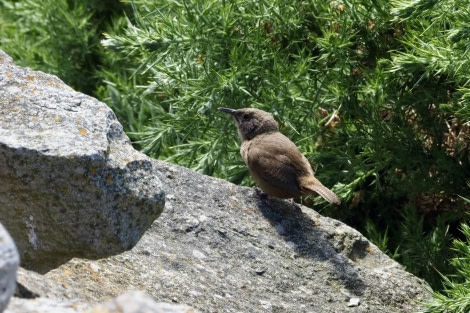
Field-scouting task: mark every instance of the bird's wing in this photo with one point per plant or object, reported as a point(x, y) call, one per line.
point(276, 161)
point(281, 169)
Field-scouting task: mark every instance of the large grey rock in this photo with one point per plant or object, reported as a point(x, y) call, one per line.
point(9, 262)
point(70, 182)
point(221, 248)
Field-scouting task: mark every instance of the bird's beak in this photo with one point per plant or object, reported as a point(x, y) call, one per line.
point(227, 110)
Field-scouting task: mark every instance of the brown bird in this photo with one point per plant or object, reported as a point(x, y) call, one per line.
point(275, 162)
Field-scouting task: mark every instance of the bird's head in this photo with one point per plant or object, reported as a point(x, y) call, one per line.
point(252, 122)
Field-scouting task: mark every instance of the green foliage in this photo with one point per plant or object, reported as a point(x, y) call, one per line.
point(375, 93)
point(455, 296)
point(289, 58)
point(216, 54)
point(60, 37)
point(425, 251)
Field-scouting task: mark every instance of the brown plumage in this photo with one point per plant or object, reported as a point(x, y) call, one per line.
point(276, 164)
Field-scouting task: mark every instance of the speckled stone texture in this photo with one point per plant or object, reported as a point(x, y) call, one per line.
point(70, 182)
point(129, 302)
point(221, 248)
point(9, 262)
point(138, 302)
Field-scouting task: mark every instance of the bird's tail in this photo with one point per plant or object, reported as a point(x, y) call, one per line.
point(324, 192)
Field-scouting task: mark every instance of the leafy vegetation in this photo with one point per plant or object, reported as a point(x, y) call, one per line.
point(375, 93)
point(60, 37)
point(455, 296)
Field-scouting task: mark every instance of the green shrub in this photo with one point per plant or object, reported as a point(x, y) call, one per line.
point(375, 93)
point(455, 296)
point(59, 37)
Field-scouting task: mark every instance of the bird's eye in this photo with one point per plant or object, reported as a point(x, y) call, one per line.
point(246, 117)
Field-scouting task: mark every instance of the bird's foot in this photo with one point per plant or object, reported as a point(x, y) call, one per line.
point(260, 193)
point(295, 205)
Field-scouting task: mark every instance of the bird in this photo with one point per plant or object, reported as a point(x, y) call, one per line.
point(274, 161)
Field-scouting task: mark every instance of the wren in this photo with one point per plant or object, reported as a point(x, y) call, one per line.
point(275, 162)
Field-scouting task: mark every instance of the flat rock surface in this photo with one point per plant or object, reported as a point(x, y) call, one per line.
point(223, 248)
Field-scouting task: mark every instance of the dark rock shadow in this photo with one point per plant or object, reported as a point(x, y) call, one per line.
point(311, 241)
point(22, 292)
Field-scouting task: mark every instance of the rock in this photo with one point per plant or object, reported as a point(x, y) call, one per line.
point(31, 285)
point(71, 184)
point(129, 302)
point(138, 302)
point(221, 248)
point(46, 305)
point(9, 262)
point(217, 247)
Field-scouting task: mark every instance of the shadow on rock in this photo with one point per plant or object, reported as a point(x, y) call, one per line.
point(303, 234)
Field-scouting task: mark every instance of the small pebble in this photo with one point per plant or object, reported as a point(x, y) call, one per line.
point(353, 302)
